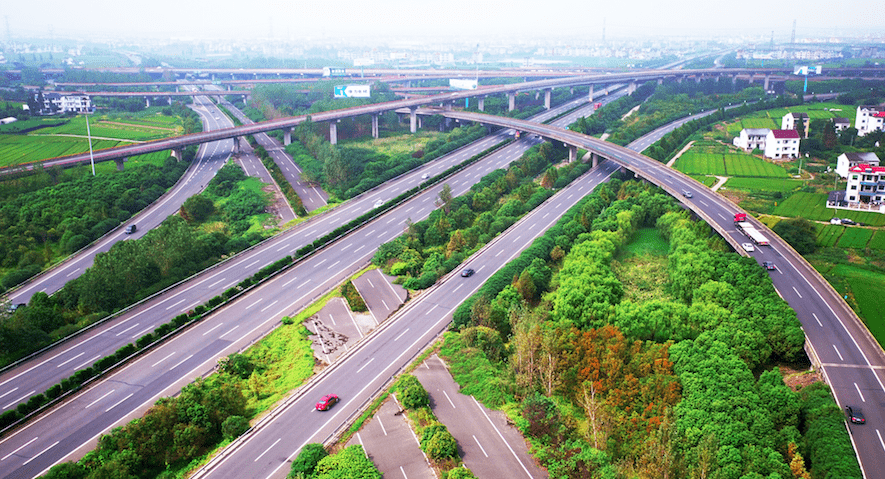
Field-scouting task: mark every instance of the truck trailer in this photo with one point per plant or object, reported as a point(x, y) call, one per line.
point(747, 228)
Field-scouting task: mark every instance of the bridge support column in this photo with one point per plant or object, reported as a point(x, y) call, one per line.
point(511, 101)
point(119, 162)
point(176, 153)
point(236, 144)
point(751, 78)
point(547, 94)
point(176, 89)
point(413, 120)
point(333, 132)
point(679, 79)
point(660, 81)
point(734, 79)
point(147, 102)
point(631, 87)
point(169, 99)
point(572, 153)
point(767, 79)
point(481, 103)
point(287, 136)
point(228, 87)
point(594, 160)
point(375, 126)
point(590, 98)
point(698, 78)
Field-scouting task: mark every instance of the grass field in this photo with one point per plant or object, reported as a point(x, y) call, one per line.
point(855, 238)
point(648, 241)
point(15, 149)
point(812, 206)
point(763, 184)
point(113, 128)
point(707, 181)
point(737, 164)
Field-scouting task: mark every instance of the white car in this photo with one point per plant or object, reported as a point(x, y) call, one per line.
point(379, 204)
point(748, 247)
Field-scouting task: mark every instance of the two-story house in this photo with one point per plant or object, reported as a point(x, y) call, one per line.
point(791, 120)
point(782, 144)
point(866, 184)
point(751, 138)
point(846, 161)
point(869, 119)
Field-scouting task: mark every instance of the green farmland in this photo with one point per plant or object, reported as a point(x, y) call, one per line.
point(855, 238)
point(763, 184)
point(731, 164)
point(16, 149)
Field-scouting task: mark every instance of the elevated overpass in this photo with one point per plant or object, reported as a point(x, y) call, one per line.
point(374, 110)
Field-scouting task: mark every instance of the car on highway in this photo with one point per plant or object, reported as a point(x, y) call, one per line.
point(326, 402)
point(748, 247)
point(425, 176)
point(686, 193)
point(855, 415)
point(768, 265)
point(467, 273)
point(130, 229)
point(378, 204)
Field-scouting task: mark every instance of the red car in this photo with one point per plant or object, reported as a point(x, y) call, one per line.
point(326, 402)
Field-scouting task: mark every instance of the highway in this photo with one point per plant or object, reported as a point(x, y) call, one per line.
point(210, 157)
point(841, 346)
point(166, 369)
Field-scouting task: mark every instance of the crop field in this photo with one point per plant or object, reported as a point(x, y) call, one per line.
point(746, 165)
point(878, 240)
point(855, 238)
point(16, 149)
point(760, 123)
point(812, 206)
point(763, 184)
point(828, 235)
point(707, 181)
point(866, 287)
point(123, 129)
point(692, 163)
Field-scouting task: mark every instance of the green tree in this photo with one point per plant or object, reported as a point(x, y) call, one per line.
point(799, 232)
point(444, 198)
point(197, 208)
point(307, 460)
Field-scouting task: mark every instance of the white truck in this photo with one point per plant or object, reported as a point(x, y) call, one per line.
point(741, 223)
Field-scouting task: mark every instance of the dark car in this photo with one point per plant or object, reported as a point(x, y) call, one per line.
point(769, 265)
point(130, 229)
point(846, 221)
point(467, 273)
point(326, 402)
point(855, 415)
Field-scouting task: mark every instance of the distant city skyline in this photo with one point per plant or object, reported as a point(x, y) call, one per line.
point(256, 19)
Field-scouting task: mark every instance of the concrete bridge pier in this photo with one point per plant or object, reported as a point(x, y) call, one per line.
point(375, 125)
point(481, 103)
point(176, 89)
point(547, 95)
point(679, 79)
point(590, 98)
point(147, 102)
point(413, 120)
point(176, 153)
point(631, 87)
point(767, 79)
point(511, 101)
point(333, 132)
point(734, 79)
point(287, 136)
point(119, 162)
point(169, 99)
point(751, 78)
point(594, 160)
point(572, 153)
point(660, 81)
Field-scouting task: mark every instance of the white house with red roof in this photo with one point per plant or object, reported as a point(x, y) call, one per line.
point(848, 160)
point(782, 144)
point(866, 184)
point(790, 121)
point(869, 119)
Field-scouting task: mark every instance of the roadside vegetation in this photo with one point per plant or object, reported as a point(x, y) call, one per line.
point(610, 369)
point(227, 218)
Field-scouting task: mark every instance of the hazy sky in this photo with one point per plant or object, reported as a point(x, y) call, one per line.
point(296, 18)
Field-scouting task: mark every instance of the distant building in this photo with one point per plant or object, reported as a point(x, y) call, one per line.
point(866, 184)
point(791, 120)
point(782, 144)
point(841, 123)
point(752, 138)
point(869, 119)
point(848, 160)
point(56, 103)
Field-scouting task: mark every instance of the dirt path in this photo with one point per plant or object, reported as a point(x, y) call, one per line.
point(722, 180)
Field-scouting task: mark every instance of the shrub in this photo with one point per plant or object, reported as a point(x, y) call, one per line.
point(307, 460)
point(412, 393)
point(353, 298)
point(144, 341)
point(438, 443)
point(234, 426)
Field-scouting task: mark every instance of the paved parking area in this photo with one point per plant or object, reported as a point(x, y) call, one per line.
point(382, 297)
point(488, 444)
point(392, 446)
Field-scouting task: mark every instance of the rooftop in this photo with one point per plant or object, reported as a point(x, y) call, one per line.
point(785, 134)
